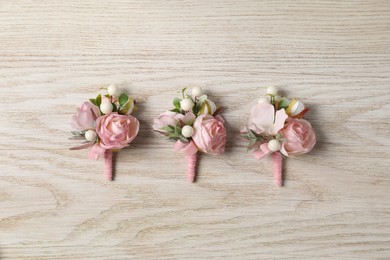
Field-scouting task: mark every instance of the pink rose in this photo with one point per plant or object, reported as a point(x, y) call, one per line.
point(173, 119)
point(300, 137)
point(116, 131)
point(85, 117)
point(210, 134)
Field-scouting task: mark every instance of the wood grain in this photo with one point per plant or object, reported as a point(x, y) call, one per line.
point(55, 203)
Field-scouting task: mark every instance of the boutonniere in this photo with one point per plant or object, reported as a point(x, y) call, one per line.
point(196, 125)
point(277, 128)
point(106, 125)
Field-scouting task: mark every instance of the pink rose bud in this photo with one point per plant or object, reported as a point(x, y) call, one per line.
point(165, 119)
point(85, 117)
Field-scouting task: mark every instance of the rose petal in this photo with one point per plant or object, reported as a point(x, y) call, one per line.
point(280, 118)
point(262, 117)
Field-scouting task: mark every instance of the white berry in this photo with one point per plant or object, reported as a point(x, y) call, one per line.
point(186, 104)
point(197, 91)
point(274, 145)
point(187, 131)
point(272, 91)
point(263, 100)
point(114, 90)
point(90, 135)
point(106, 107)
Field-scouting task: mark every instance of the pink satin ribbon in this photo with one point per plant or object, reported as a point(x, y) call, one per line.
point(277, 158)
point(190, 150)
point(96, 151)
point(191, 166)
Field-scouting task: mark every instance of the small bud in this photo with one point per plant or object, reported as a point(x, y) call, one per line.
point(106, 107)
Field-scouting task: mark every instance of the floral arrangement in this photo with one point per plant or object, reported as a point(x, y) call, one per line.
point(196, 125)
point(105, 125)
point(276, 127)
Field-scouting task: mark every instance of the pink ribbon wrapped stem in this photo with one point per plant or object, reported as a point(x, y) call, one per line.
point(277, 158)
point(191, 166)
point(190, 151)
point(108, 164)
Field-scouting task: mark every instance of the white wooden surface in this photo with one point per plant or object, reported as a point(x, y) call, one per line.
point(55, 203)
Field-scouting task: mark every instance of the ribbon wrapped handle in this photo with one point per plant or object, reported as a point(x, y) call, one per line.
point(277, 158)
point(191, 167)
point(108, 164)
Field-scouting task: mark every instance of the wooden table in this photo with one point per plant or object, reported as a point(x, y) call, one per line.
point(333, 55)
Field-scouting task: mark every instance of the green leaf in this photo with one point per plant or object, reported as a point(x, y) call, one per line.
point(177, 131)
point(176, 102)
point(168, 128)
point(176, 110)
point(93, 101)
point(99, 100)
point(78, 133)
point(124, 109)
point(174, 133)
point(173, 138)
point(245, 136)
point(182, 92)
point(114, 107)
point(251, 134)
point(123, 98)
point(196, 108)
